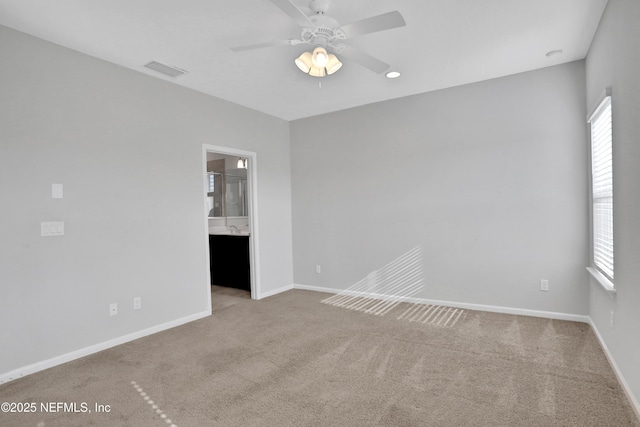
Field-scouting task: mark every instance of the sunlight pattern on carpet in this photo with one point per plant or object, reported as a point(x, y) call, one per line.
point(435, 315)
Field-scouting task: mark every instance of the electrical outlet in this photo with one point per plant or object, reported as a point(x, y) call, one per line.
point(137, 303)
point(56, 191)
point(318, 270)
point(113, 309)
point(544, 285)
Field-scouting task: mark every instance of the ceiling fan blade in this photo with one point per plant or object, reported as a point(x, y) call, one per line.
point(296, 14)
point(364, 59)
point(266, 44)
point(386, 21)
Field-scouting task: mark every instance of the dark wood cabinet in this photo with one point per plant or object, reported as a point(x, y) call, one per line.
point(229, 261)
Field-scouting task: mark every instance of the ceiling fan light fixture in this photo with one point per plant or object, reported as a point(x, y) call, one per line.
point(320, 63)
point(304, 62)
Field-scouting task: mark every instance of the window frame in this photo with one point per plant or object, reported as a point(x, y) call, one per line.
point(602, 266)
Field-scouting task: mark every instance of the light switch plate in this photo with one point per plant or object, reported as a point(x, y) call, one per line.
point(55, 228)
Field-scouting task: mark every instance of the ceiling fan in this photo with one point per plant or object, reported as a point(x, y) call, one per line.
point(326, 34)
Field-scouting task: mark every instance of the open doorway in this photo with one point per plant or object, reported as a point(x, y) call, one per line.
point(230, 193)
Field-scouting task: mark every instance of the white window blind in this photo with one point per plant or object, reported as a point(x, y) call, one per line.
point(212, 183)
point(602, 187)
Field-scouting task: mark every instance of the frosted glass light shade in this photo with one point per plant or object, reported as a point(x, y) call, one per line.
point(333, 64)
point(304, 62)
point(317, 72)
point(320, 57)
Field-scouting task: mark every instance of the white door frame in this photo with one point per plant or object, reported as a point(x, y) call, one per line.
point(252, 189)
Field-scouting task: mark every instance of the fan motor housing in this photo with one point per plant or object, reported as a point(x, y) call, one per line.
point(319, 6)
point(323, 21)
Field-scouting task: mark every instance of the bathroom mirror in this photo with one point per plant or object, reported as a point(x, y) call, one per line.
point(227, 193)
point(236, 193)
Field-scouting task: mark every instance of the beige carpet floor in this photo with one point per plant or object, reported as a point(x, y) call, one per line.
point(290, 360)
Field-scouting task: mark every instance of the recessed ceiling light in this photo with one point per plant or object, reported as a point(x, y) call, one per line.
point(553, 53)
point(393, 74)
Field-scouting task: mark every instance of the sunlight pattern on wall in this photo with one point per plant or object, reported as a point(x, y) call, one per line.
point(385, 288)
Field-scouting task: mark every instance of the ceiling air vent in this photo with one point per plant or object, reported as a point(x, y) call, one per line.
point(167, 70)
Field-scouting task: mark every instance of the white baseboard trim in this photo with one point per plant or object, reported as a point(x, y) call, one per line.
point(315, 288)
point(275, 291)
point(627, 390)
point(468, 306)
point(68, 357)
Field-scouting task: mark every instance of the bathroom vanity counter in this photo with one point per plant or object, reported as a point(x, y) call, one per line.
point(227, 231)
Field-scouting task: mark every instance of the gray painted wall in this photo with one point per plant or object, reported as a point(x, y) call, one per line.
point(614, 61)
point(488, 178)
point(128, 149)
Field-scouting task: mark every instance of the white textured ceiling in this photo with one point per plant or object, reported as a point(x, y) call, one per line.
point(445, 43)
